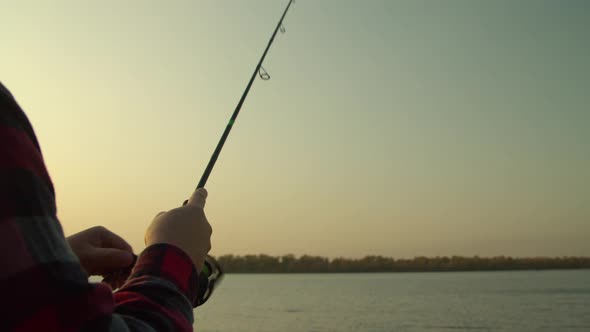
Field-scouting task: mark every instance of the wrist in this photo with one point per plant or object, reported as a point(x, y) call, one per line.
point(168, 261)
point(196, 259)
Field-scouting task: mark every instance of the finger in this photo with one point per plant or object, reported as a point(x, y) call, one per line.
point(198, 198)
point(112, 240)
point(117, 278)
point(106, 260)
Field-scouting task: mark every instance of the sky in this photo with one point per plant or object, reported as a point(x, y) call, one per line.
point(396, 128)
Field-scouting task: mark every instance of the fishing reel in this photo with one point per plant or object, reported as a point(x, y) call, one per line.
point(210, 276)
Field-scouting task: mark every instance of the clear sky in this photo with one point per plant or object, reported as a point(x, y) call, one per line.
point(399, 128)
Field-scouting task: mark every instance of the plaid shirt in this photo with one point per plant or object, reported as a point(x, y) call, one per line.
point(42, 284)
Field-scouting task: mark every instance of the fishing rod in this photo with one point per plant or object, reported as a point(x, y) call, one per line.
point(212, 273)
point(260, 71)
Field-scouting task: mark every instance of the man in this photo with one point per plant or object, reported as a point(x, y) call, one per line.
point(44, 276)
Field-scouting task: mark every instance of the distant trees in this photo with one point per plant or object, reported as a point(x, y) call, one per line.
point(314, 264)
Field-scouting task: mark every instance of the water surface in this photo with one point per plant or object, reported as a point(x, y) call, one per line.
point(450, 301)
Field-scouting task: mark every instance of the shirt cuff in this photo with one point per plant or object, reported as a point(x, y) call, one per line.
point(171, 263)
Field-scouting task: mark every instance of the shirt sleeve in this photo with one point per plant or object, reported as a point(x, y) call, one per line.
point(42, 284)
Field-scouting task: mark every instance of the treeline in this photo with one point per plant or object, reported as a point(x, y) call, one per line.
point(317, 264)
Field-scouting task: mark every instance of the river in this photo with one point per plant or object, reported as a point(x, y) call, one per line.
point(446, 301)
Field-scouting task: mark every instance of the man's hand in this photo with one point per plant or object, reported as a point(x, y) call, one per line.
point(100, 251)
point(185, 227)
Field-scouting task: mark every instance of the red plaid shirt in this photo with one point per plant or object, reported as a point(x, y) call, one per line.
point(42, 285)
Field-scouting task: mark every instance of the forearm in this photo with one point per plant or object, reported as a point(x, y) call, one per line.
point(42, 284)
point(163, 280)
